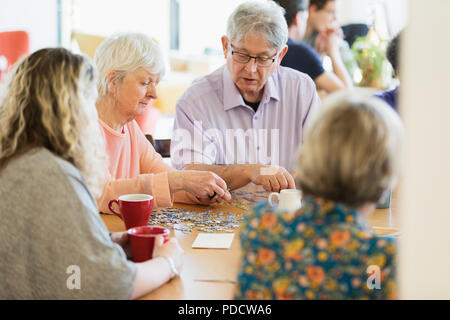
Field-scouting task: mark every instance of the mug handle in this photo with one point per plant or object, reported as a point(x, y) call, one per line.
point(269, 198)
point(112, 210)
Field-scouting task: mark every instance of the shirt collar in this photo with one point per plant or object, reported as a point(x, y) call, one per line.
point(111, 131)
point(232, 98)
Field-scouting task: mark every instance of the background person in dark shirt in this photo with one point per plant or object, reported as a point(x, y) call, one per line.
point(390, 96)
point(301, 56)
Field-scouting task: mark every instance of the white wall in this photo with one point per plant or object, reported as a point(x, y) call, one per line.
point(203, 23)
point(38, 18)
point(361, 11)
point(425, 107)
point(105, 17)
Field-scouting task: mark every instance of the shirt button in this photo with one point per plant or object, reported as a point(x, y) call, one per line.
point(257, 148)
point(256, 118)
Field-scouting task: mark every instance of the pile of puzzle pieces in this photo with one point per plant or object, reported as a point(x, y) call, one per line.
point(208, 220)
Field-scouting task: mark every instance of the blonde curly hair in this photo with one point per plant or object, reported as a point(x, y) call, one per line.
point(49, 102)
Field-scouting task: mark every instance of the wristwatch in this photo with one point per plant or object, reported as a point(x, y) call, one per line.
point(171, 265)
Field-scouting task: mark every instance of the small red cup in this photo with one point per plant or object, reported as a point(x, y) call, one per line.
point(135, 209)
point(142, 240)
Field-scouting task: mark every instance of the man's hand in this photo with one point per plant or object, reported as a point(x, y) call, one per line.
point(272, 178)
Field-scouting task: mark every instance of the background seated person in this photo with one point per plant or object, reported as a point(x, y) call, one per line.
point(326, 37)
point(130, 67)
point(348, 162)
point(391, 96)
point(245, 120)
point(303, 58)
point(52, 156)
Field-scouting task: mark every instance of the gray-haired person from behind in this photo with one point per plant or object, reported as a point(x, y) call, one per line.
point(251, 98)
point(350, 158)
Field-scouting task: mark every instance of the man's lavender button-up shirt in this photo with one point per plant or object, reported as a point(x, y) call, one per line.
point(213, 125)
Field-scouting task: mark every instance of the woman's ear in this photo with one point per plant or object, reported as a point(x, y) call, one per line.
point(111, 81)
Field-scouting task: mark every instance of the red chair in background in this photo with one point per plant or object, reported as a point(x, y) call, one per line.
point(13, 45)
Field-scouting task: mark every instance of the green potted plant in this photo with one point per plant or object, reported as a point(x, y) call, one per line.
point(369, 53)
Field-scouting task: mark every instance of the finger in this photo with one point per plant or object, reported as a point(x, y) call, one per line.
point(282, 181)
point(213, 195)
point(219, 191)
point(124, 237)
point(290, 179)
point(220, 182)
point(220, 199)
point(205, 201)
point(158, 243)
point(274, 183)
point(266, 184)
point(160, 240)
point(226, 196)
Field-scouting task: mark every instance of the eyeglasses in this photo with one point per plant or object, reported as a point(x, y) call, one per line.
point(245, 58)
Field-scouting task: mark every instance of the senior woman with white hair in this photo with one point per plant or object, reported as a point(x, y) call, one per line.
point(130, 67)
point(349, 161)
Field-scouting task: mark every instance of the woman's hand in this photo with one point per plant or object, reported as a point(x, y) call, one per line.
point(207, 186)
point(121, 238)
point(170, 249)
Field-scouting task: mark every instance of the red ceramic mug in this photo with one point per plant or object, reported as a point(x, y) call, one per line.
point(135, 209)
point(142, 240)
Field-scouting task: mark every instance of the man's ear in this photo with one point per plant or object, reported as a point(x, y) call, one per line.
point(111, 81)
point(225, 46)
point(282, 54)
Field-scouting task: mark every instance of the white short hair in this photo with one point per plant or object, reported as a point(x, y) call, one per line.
point(125, 53)
point(263, 16)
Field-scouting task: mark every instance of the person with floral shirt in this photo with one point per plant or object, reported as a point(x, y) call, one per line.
point(326, 250)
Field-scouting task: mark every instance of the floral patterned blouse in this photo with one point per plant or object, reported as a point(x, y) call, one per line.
point(325, 250)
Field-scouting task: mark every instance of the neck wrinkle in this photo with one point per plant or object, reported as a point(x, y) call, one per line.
point(106, 112)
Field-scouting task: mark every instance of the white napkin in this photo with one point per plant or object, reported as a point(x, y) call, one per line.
point(213, 240)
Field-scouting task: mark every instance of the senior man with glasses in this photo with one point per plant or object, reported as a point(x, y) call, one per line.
point(245, 120)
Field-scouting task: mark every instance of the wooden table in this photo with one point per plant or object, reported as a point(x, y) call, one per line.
point(219, 264)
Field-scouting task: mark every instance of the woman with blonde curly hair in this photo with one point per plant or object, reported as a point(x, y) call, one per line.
point(52, 156)
point(349, 160)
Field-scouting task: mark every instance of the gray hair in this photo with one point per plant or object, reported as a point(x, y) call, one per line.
point(265, 17)
point(125, 53)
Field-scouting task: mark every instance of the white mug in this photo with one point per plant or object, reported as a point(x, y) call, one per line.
point(288, 199)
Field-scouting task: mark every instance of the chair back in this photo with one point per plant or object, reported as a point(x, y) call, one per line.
point(88, 43)
point(162, 146)
point(13, 45)
point(353, 31)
